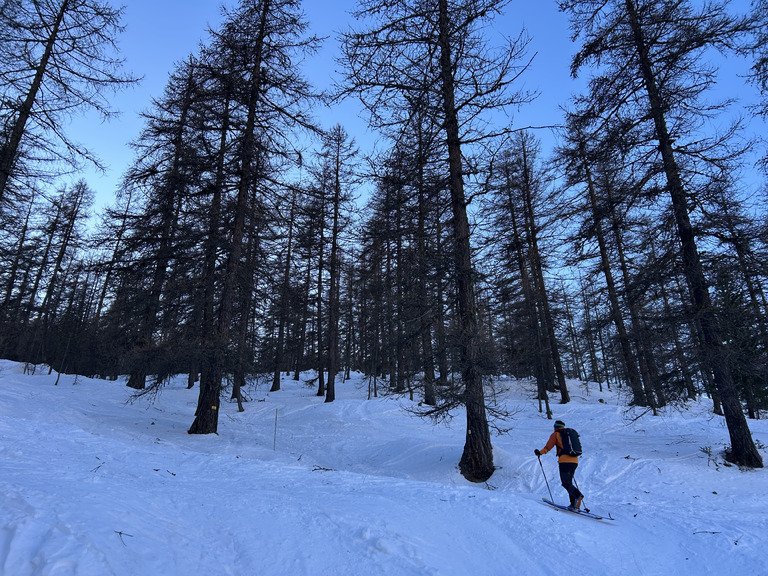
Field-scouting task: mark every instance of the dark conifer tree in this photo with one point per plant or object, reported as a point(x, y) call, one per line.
point(406, 48)
point(263, 41)
point(649, 72)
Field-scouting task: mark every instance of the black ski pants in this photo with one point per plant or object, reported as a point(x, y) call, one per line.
point(567, 471)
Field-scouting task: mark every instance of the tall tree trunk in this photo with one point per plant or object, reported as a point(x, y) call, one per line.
point(213, 239)
point(715, 354)
point(391, 312)
point(440, 336)
point(628, 356)
point(534, 329)
point(476, 462)
point(644, 354)
point(607, 361)
point(590, 335)
point(245, 304)
point(425, 322)
point(575, 346)
point(398, 316)
point(333, 292)
point(207, 416)
point(681, 360)
point(351, 344)
point(321, 364)
point(283, 305)
point(304, 319)
point(549, 340)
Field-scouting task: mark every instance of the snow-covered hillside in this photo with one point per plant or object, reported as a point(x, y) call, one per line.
point(93, 485)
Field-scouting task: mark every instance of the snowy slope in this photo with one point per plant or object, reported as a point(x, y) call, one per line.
point(93, 485)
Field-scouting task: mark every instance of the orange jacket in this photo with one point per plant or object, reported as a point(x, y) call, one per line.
point(555, 440)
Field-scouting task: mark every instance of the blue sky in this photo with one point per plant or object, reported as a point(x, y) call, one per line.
point(160, 33)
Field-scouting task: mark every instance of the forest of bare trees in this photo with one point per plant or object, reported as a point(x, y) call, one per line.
point(248, 241)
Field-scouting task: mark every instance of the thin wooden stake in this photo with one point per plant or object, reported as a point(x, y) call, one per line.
point(274, 443)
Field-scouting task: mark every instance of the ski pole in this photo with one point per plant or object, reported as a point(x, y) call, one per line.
point(552, 498)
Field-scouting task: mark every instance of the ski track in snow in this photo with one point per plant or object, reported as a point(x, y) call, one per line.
point(93, 485)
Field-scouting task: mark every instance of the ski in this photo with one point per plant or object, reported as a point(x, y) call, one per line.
point(579, 512)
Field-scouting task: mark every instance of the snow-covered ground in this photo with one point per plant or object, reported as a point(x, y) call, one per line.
point(93, 485)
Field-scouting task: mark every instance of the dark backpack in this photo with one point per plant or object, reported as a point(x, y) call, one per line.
point(571, 442)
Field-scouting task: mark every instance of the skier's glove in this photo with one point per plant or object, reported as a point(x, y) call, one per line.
point(537, 452)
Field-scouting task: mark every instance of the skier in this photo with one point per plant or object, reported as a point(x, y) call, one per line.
point(567, 465)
